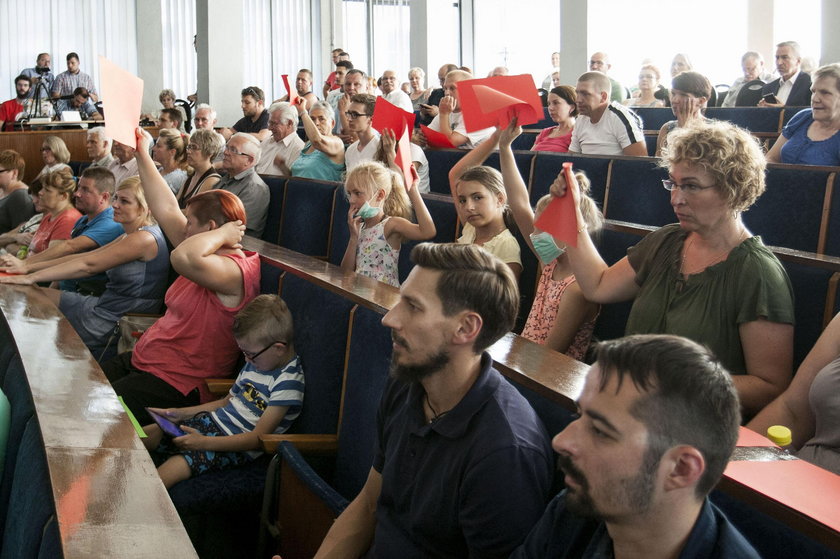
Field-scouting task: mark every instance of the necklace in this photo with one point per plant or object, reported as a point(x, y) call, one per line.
point(435, 414)
point(715, 258)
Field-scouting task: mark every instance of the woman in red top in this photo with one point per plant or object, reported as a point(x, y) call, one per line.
point(194, 340)
point(562, 110)
point(56, 200)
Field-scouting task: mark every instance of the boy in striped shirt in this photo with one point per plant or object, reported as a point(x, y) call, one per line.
point(265, 398)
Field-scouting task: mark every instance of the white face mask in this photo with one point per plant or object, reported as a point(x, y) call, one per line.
point(547, 250)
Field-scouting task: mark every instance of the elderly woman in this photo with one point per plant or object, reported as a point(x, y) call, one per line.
point(204, 146)
point(170, 152)
point(810, 405)
point(811, 137)
point(56, 201)
point(649, 76)
point(562, 109)
point(418, 93)
point(55, 154)
point(323, 155)
point(680, 63)
point(707, 277)
point(137, 265)
point(689, 96)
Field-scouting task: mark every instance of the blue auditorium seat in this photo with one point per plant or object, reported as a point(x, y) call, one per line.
point(754, 119)
point(307, 215)
point(636, 193)
point(440, 162)
point(654, 117)
point(832, 235)
point(548, 165)
point(276, 190)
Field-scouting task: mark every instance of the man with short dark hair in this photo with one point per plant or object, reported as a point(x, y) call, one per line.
point(80, 102)
point(241, 156)
point(355, 82)
point(303, 85)
point(604, 127)
point(40, 73)
point(255, 119)
point(94, 229)
point(793, 87)
point(659, 419)
point(12, 109)
point(331, 84)
point(462, 463)
point(429, 110)
point(66, 82)
point(334, 96)
point(171, 118)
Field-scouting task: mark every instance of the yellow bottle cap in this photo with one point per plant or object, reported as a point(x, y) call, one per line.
point(779, 434)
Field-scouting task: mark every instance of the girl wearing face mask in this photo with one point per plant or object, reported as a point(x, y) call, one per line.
point(558, 294)
point(378, 220)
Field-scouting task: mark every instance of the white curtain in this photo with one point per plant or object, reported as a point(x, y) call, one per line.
point(87, 27)
point(179, 61)
point(279, 33)
point(388, 22)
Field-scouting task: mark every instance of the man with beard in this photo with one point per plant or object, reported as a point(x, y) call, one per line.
point(659, 418)
point(255, 119)
point(462, 463)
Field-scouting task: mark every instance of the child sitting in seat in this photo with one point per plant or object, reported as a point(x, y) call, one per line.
point(266, 397)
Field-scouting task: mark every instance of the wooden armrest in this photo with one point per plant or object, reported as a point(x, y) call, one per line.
point(219, 386)
point(307, 444)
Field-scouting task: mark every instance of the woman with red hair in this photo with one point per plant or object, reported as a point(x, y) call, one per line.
point(194, 340)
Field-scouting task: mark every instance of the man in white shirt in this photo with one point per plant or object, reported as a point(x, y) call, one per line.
point(752, 63)
point(393, 94)
point(450, 120)
point(359, 117)
point(279, 151)
point(793, 88)
point(604, 127)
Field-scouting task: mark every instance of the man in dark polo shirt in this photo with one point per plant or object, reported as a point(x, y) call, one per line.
point(255, 121)
point(462, 465)
point(659, 419)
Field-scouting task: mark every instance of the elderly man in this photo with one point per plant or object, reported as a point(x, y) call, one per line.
point(793, 87)
point(205, 117)
point(279, 151)
point(600, 62)
point(604, 127)
point(393, 94)
point(66, 82)
point(98, 146)
point(94, 229)
point(124, 165)
point(462, 464)
point(40, 74)
point(242, 154)
point(255, 119)
point(752, 64)
point(429, 110)
point(355, 82)
point(81, 102)
point(498, 71)
point(450, 120)
point(12, 109)
point(658, 421)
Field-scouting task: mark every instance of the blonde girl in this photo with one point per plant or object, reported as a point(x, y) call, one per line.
point(378, 220)
point(481, 202)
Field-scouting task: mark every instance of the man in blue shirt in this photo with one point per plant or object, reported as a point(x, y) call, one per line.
point(462, 465)
point(659, 418)
point(94, 229)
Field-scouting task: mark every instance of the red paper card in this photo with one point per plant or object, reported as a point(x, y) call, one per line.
point(122, 96)
point(387, 115)
point(290, 90)
point(559, 217)
point(494, 101)
point(435, 139)
point(404, 158)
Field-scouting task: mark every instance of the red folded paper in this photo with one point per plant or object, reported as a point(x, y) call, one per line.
point(494, 101)
point(404, 158)
point(435, 139)
point(559, 217)
point(293, 95)
point(387, 115)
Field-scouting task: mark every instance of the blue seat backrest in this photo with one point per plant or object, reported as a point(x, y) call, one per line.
point(789, 213)
point(611, 322)
point(754, 119)
point(650, 144)
point(548, 165)
point(636, 193)
point(654, 117)
point(811, 286)
point(368, 362)
point(31, 498)
point(525, 141)
point(276, 192)
point(545, 122)
point(440, 162)
point(340, 235)
point(832, 235)
point(321, 320)
point(554, 416)
point(307, 215)
point(446, 223)
point(78, 166)
point(531, 270)
point(524, 161)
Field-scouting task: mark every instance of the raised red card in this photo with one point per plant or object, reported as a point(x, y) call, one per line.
point(290, 90)
point(435, 139)
point(494, 101)
point(559, 217)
